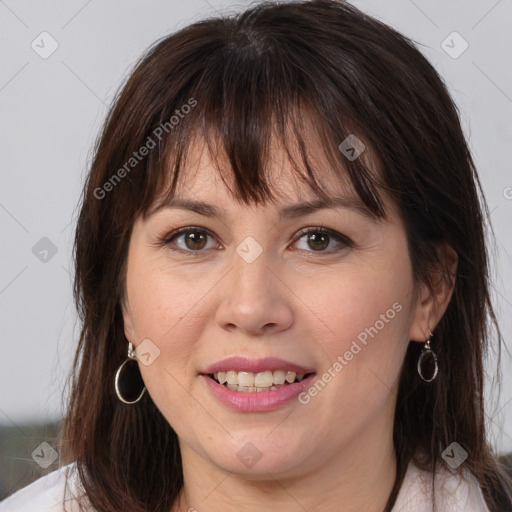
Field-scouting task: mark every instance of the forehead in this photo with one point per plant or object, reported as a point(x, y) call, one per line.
point(207, 173)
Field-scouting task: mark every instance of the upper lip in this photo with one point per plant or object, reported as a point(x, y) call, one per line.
point(244, 364)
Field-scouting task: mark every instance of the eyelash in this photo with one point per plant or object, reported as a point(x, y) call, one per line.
point(168, 239)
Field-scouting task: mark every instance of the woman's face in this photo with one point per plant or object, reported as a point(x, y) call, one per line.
point(254, 284)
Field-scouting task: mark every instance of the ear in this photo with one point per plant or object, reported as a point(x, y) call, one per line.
point(431, 304)
point(129, 328)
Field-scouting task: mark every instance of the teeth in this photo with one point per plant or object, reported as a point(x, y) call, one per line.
point(249, 388)
point(290, 376)
point(262, 379)
point(248, 381)
point(279, 377)
point(231, 377)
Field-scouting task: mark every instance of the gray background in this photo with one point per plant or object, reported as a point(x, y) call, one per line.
point(51, 110)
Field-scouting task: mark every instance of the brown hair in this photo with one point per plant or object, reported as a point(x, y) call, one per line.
point(242, 76)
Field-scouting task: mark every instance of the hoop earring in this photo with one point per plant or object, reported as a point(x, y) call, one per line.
point(127, 385)
point(427, 351)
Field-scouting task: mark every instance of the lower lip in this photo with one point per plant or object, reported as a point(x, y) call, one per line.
point(257, 401)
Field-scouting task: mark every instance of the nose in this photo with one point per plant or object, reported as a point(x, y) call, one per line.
point(255, 299)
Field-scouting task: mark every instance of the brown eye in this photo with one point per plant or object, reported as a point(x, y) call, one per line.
point(319, 239)
point(192, 239)
point(195, 240)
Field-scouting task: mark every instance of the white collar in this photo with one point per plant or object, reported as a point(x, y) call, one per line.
point(453, 492)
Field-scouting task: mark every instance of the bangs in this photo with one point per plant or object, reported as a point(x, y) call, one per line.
point(248, 98)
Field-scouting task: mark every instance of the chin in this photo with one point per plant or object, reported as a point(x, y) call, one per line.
point(254, 460)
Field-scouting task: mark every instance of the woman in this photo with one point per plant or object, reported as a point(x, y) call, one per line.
point(282, 278)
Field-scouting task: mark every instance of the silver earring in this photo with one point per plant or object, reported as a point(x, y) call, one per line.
point(425, 353)
point(129, 382)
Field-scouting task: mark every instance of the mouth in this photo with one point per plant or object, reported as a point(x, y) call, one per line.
point(257, 382)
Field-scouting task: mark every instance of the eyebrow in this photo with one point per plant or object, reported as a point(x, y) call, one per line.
point(286, 212)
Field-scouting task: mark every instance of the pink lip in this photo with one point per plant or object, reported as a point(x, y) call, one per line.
point(243, 364)
point(256, 401)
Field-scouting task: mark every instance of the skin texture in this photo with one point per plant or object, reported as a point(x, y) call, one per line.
point(294, 302)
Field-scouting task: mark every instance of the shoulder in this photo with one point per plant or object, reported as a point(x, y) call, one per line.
point(47, 494)
point(454, 491)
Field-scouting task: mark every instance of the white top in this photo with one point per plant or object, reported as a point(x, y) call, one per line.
point(460, 494)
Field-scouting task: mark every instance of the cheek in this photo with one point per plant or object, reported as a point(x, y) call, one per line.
point(364, 331)
point(162, 299)
point(169, 308)
point(166, 307)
